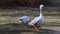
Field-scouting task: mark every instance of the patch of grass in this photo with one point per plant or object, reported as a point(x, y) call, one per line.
point(7, 19)
point(15, 13)
point(12, 16)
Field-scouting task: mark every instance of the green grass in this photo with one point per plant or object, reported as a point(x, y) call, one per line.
point(9, 20)
point(12, 16)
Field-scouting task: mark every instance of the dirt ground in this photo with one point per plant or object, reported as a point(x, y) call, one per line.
point(53, 29)
point(44, 30)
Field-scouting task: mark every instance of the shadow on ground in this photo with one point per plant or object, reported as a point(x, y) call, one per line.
point(42, 31)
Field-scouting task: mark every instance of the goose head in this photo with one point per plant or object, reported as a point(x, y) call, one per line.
point(41, 9)
point(41, 6)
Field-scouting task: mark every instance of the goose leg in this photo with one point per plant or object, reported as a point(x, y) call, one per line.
point(36, 28)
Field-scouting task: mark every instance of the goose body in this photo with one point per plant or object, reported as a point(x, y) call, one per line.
point(24, 19)
point(38, 20)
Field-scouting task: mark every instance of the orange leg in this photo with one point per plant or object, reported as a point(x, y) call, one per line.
point(36, 28)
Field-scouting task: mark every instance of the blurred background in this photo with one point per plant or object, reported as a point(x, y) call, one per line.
point(12, 10)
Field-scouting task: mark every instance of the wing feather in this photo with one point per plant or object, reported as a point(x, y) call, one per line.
point(33, 21)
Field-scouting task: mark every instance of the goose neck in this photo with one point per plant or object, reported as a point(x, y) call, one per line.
point(40, 12)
